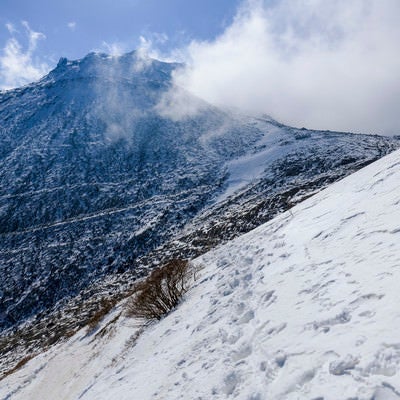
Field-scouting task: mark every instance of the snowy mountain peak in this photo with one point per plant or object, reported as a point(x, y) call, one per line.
point(132, 65)
point(101, 181)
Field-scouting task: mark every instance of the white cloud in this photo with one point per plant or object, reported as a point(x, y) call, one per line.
point(178, 105)
point(71, 25)
point(313, 63)
point(149, 46)
point(114, 48)
point(11, 28)
point(19, 66)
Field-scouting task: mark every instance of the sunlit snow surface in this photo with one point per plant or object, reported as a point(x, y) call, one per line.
point(306, 306)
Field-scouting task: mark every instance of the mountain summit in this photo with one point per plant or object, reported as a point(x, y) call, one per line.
point(107, 168)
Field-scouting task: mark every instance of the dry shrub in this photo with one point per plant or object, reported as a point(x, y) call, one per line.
point(160, 292)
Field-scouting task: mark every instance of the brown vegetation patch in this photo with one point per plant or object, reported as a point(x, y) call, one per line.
point(17, 366)
point(159, 293)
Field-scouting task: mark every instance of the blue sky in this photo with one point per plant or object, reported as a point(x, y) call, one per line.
point(75, 27)
point(321, 64)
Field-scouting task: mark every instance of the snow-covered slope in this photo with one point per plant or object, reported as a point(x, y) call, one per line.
point(94, 177)
point(303, 307)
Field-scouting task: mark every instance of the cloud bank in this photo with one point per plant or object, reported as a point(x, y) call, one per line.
point(18, 65)
point(323, 65)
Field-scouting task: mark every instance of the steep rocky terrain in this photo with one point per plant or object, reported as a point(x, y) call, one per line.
point(303, 307)
point(100, 180)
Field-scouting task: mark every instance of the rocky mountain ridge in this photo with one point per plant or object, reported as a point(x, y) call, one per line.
point(100, 181)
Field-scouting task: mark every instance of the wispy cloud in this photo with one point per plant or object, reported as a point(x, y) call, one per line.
point(313, 63)
point(151, 44)
point(11, 28)
point(113, 48)
point(71, 25)
point(18, 64)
